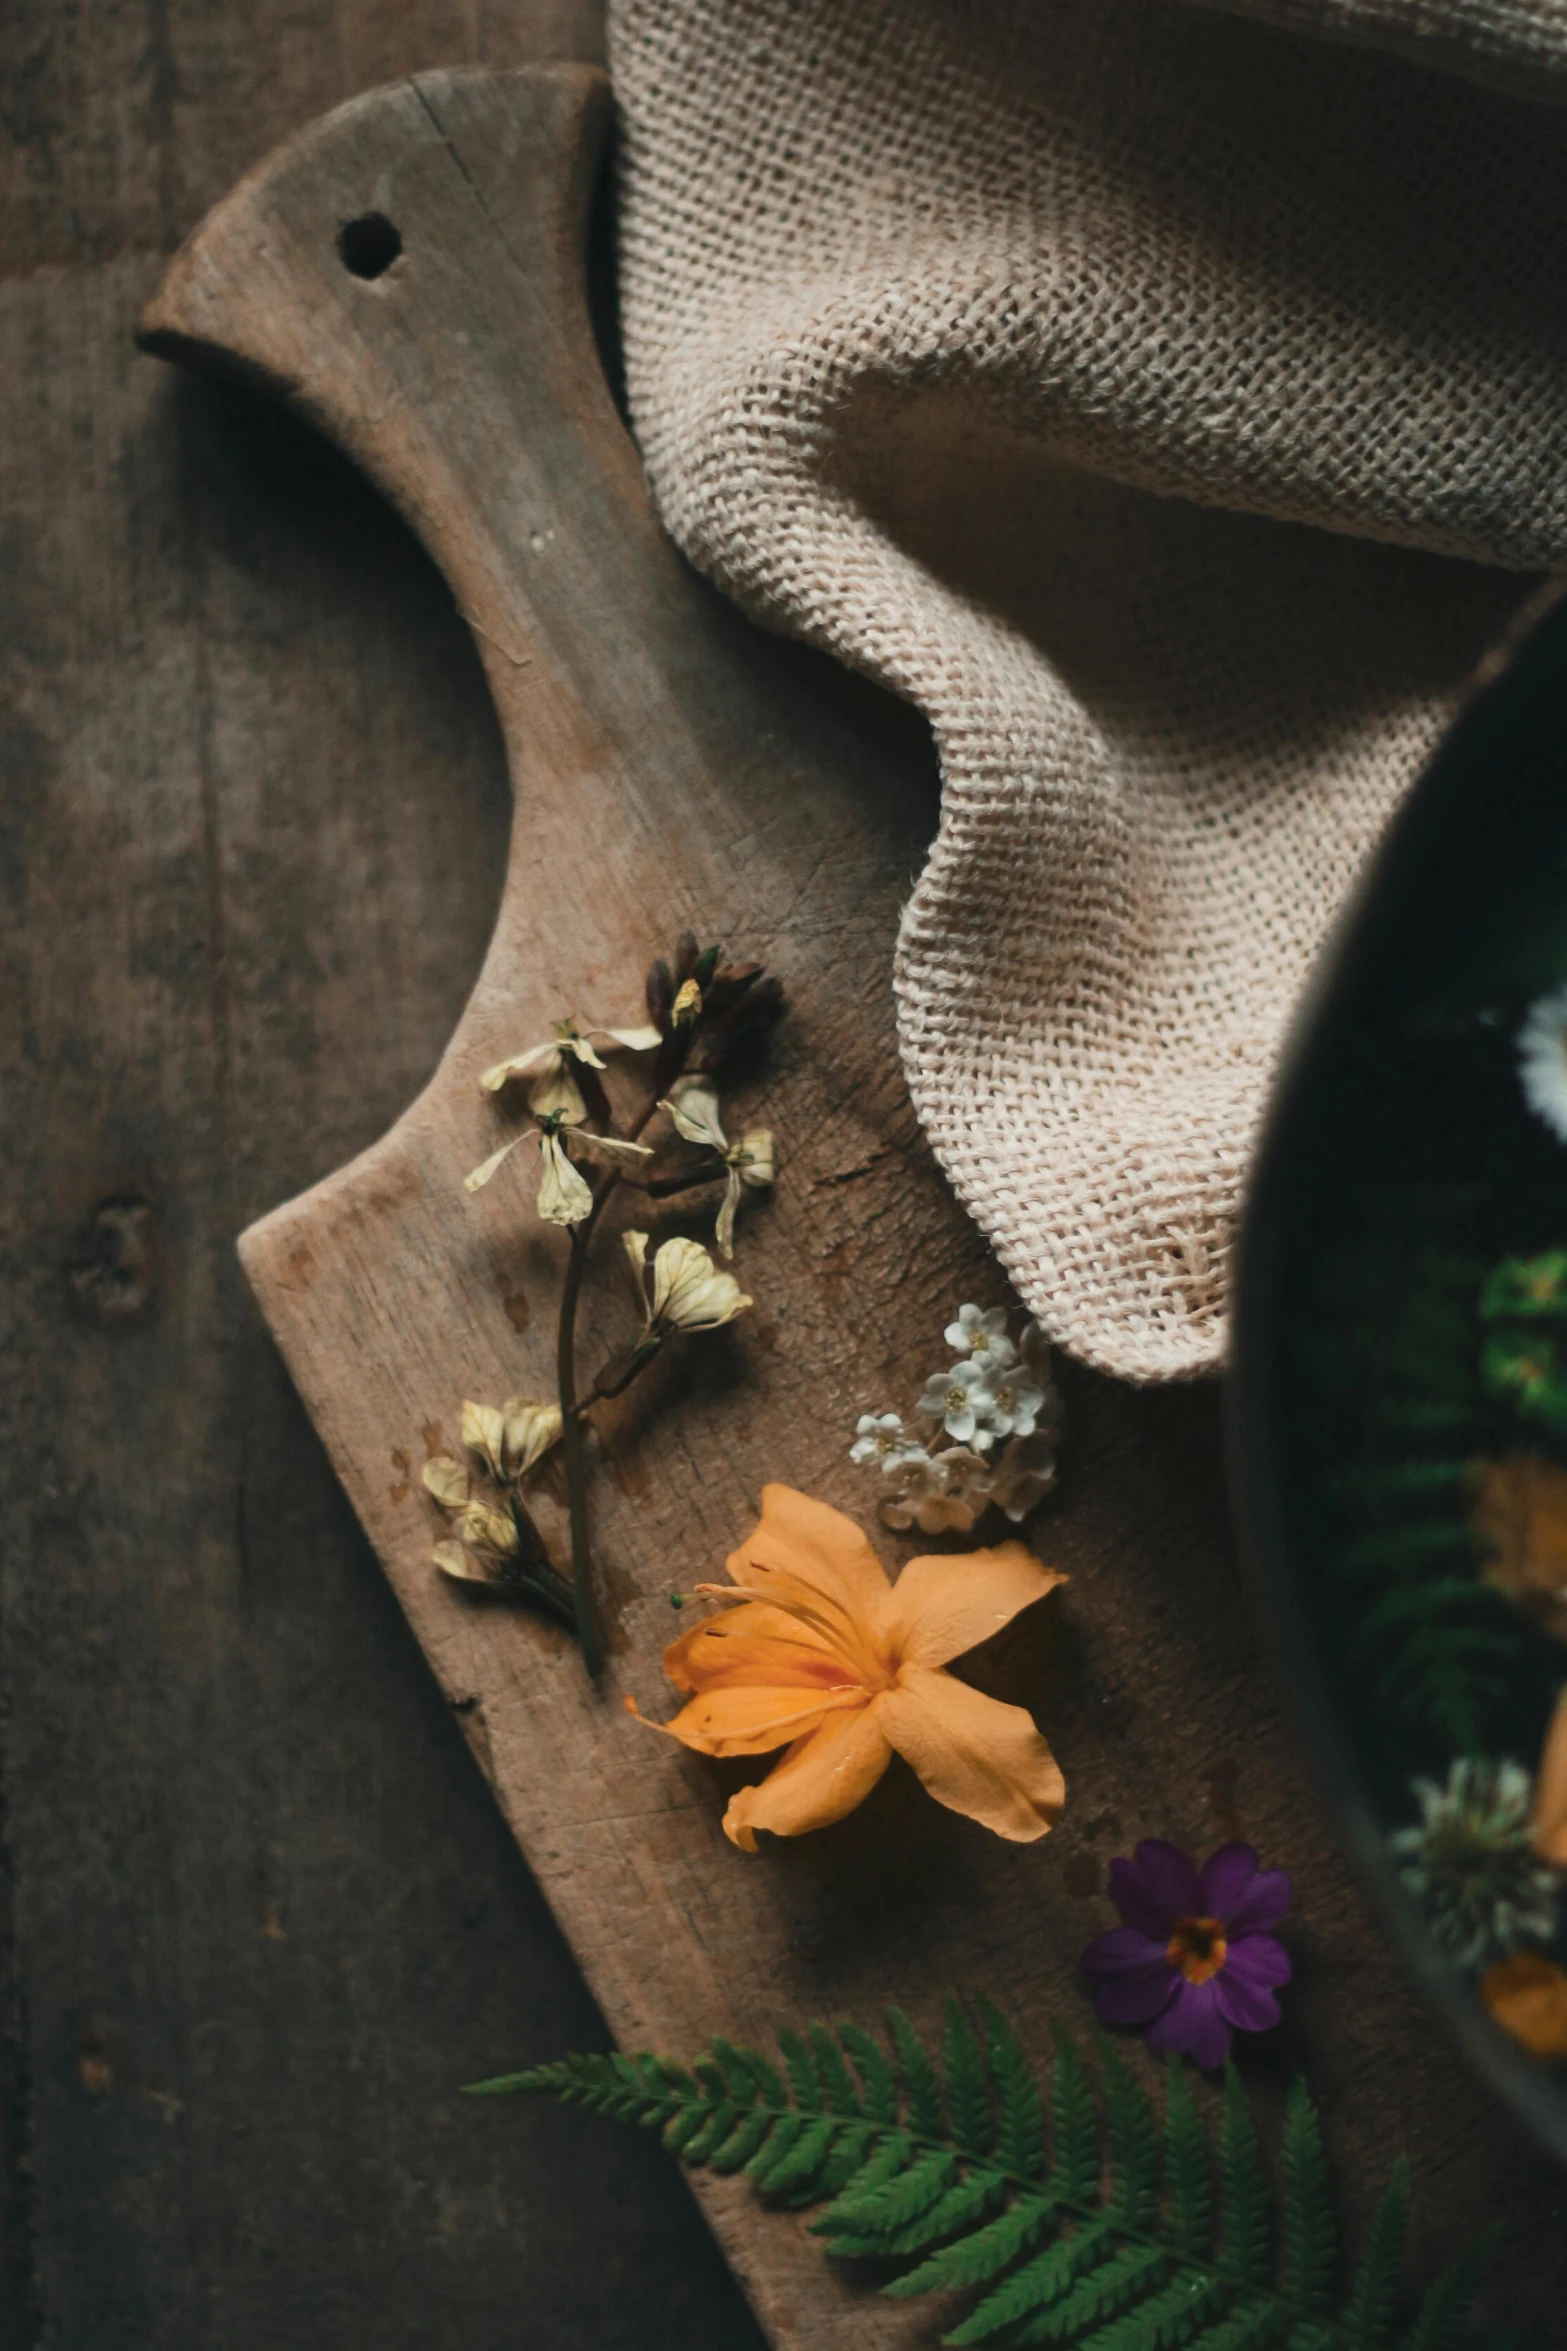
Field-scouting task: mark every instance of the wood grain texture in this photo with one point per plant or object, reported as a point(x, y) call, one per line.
point(259, 1918)
point(670, 765)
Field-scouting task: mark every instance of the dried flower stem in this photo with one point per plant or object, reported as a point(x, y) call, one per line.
point(573, 1455)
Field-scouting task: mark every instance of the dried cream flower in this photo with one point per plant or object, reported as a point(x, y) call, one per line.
point(564, 1196)
point(491, 1533)
point(692, 1103)
point(512, 1437)
point(448, 1481)
point(687, 1291)
point(555, 1091)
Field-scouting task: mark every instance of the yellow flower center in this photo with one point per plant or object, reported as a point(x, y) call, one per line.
point(848, 1649)
point(1198, 1948)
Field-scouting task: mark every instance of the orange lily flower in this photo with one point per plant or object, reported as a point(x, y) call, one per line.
point(828, 1658)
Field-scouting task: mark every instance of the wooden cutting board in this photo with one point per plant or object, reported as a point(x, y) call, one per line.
point(674, 766)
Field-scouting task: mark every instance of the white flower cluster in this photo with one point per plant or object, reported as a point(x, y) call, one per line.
point(999, 1404)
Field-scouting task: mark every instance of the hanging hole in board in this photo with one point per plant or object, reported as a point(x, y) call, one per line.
point(369, 245)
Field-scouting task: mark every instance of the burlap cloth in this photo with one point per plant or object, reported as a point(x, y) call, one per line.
point(1171, 404)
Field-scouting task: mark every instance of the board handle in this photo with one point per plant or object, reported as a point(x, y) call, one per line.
point(410, 275)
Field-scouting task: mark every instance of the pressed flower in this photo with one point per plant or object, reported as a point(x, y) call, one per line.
point(512, 1437)
point(706, 1010)
point(1470, 1861)
point(687, 1291)
point(960, 1399)
point(692, 1103)
point(448, 1481)
point(1194, 1960)
point(827, 1658)
point(554, 1090)
point(478, 1528)
point(492, 1532)
point(1527, 1996)
point(1520, 1514)
point(880, 1436)
point(982, 1335)
point(1014, 1401)
point(1549, 1811)
point(565, 1196)
point(941, 1493)
point(1024, 1473)
point(1542, 1059)
point(496, 1544)
point(1034, 1348)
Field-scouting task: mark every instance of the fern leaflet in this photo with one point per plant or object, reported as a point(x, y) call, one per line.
point(1098, 2233)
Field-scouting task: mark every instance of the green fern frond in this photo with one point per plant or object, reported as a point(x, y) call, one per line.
point(1439, 1359)
point(968, 2085)
point(1439, 2323)
point(1096, 2233)
point(1188, 2170)
point(1244, 2232)
point(1310, 2231)
point(1371, 2298)
point(1021, 2136)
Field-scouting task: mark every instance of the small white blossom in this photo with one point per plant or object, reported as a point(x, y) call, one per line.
point(880, 1436)
point(687, 1291)
point(983, 1336)
point(692, 1103)
point(940, 1494)
point(1542, 1060)
point(960, 1399)
point(554, 1091)
point(1015, 1402)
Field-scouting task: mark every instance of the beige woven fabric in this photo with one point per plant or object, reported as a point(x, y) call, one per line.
point(1172, 406)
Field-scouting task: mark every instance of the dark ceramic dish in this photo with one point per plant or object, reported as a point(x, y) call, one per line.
point(1402, 1176)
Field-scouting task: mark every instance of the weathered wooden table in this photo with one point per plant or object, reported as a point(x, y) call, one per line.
point(258, 1916)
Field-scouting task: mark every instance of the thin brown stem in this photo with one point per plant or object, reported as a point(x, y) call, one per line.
point(573, 1454)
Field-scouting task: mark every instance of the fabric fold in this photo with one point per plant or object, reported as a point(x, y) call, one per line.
point(1172, 408)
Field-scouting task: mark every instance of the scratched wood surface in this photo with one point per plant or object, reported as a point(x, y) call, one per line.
point(672, 766)
point(256, 1911)
point(259, 1915)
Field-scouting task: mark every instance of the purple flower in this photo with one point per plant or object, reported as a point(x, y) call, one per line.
point(1195, 1961)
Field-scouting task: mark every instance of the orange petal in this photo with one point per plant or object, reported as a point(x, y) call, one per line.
point(821, 1778)
point(750, 1644)
point(1550, 1791)
point(974, 1754)
point(944, 1606)
point(752, 1719)
point(817, 1546)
